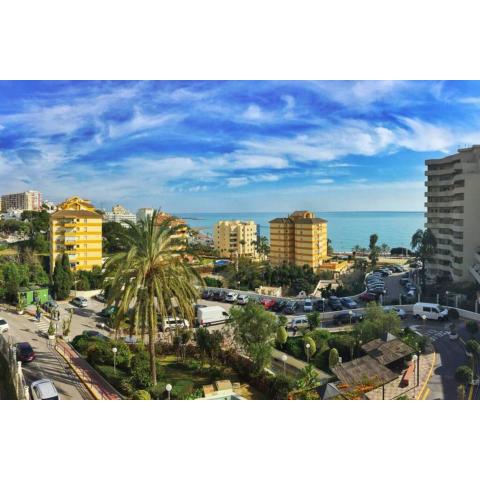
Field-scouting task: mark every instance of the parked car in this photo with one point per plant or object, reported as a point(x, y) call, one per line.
point(25, 352)
point(345, 317)
point(219, 296)
point(335, 303)
point(80, 302)
point(320, 305)
point(279, 306)
point(399, 311)
point(242, 299)
point(432, 311)
point(411, 294)
point(267, 303)
point(290, 308)
point(94, 334)
point(3, 325)
point(368, 297)
point(44, 389)
point(50, 305)
point(298, 322)
point(211, 315)
point(206, 294)
point(231, 297)
point(349, 303)
point(100, 297)
point(308, 305)
point(171, 323)
point(107, 312)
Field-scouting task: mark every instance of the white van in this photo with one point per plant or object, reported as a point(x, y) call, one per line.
point(432, 311)
point(211, 315)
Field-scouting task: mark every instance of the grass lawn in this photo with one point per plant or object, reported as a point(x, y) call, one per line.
point(188, 375)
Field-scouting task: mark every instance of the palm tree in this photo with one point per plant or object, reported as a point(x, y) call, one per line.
point(151, 280)
point(374, 250)
point(423, 244)
point(385, 248)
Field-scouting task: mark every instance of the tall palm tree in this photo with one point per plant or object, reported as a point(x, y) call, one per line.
point(423, 244)
point(151, 280)
point(374, 250)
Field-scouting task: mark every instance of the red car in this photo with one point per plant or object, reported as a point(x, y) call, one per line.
point(268, 303)
point(367, 297)
point(25, 352)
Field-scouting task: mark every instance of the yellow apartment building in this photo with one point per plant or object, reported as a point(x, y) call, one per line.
point(299, 239)
point(235, 237)
point(76, 229)
point(182, 232)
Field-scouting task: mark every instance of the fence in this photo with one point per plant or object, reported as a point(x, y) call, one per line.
point(7, 350)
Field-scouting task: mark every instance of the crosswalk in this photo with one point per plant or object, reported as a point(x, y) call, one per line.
point(42, 325)
point(432, 333)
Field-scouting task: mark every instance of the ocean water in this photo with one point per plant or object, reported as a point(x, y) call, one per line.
point(345, 229)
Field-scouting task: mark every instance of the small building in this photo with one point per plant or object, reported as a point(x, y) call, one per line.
point(269, 291)
point(220, 390)
point(337, 267)
point(33, 295)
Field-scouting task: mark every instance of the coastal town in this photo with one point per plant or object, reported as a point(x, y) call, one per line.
point(110, 304)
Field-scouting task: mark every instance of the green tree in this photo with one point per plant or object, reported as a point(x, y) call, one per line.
point(282, 335)
point(472, 346)
point(62, 278)
point(151, 280)
point(376, 323)
point(141, 395)
point(254, 330)
point(308, 379)
point(424, 245)
point(330, 251)
point(113, 234)
point(333, 358)
point(374, 250)
point(262, 247)
point(313, 320)
point(471, 327)
point(464, 374)
point(313, 347)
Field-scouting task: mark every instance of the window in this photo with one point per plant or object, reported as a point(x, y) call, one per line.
point(427, 309)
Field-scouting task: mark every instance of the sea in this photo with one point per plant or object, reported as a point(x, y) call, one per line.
point(345, 229)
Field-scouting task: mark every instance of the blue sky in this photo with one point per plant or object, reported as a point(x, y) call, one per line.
point(233, 146)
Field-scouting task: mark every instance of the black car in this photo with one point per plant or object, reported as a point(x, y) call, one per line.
point(94, 334)
point(335, 303)
point(290, 308)
point(219, 296)
point(25, 352)
point(278, 306)
point(320, 305)
point(349, 303)
point(206, 294)
point(345, 317)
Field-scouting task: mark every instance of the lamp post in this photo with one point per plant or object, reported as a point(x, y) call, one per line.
point(350, 314)
point(284, 360)
point(114, 350)
point(446, 294)
point(424, 319)
point(168, 388)
point(307, 346)
point(415, 367)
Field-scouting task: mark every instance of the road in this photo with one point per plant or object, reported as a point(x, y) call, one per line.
point(48, 363)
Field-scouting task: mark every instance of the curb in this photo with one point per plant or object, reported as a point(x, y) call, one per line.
point(419, 396)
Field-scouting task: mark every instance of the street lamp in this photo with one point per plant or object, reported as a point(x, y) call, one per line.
point(350, 314)
point(446, 294)
point(284, 360)
point(424, 318)
point(114, 350)
point(307, 346)
point(415, 367)
point(168, 388)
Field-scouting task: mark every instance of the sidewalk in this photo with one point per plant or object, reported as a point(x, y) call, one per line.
point(95, 383)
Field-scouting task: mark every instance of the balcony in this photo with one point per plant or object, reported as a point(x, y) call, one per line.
point(475, 272)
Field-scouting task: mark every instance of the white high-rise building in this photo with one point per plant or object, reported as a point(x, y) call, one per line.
point(143, 213)
point(119, 214)
point(453, 214)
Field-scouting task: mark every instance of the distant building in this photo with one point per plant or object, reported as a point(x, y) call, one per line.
point(119, 214)
point(48, 206)
point(30, 200)
point(182, 232)
point(144, 213)
point(76, 229)
point(299, 239)
point(12, 214)
point(453, 203)
point(231, 237)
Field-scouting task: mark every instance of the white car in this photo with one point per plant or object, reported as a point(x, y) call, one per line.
point(80, 302)
point(242, 299)
point(308, 305)
point(400, 311)
point(173, 323)
point(44, 389)
point(231, 297)
point(3, 325)
point(298, 322)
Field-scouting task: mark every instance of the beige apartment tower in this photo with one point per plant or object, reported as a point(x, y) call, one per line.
point(30, 200)
point(76, 229)
point(299, 239)
point(232, 237)
point(453, 214)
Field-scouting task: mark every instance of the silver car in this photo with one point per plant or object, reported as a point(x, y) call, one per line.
point(44, 389)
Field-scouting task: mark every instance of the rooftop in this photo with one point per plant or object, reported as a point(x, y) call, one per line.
point(387, 352)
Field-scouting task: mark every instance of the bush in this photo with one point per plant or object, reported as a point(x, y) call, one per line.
point(472, 346)
point(141, 395)
point(472, 327)
point(212, 282)
point(333, 358)
point(282, 336)
point(343, 343)
point(140, 368)
point(464, 374)
point(313, 348)
point(280, 386)
point(100, 353)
